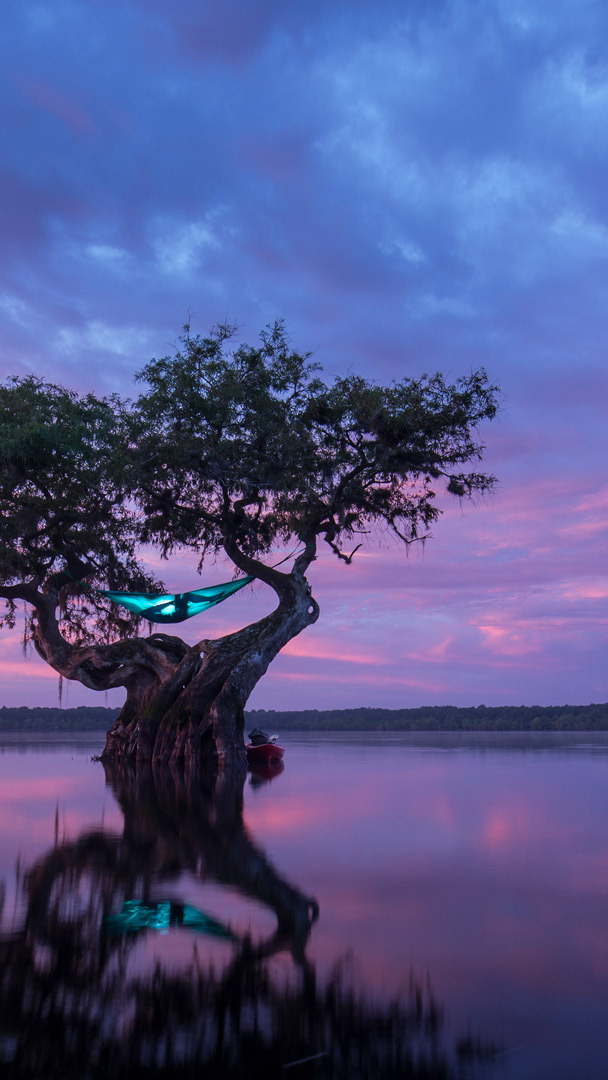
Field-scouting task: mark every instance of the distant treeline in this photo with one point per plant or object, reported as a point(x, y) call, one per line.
point(85, 718)
point(428, 718)
point(438, 718)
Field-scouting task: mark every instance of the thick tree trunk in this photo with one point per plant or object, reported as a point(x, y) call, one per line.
point(196, 717)
point(185, 704)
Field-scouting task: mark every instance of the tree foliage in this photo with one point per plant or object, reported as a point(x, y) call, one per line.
point(230, 448)
point(65, 507)
point(240, 449)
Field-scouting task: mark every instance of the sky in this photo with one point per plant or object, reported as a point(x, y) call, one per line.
point(413, 186)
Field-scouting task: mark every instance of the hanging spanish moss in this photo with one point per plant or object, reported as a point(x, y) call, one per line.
point(28, 633)
point(60, 690)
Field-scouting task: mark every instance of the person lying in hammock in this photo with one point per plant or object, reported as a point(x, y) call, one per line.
point(175, 607)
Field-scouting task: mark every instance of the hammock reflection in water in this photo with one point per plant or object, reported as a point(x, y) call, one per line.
point(163, 916)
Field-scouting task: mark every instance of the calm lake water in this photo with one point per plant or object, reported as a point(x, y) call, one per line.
point(383, 903)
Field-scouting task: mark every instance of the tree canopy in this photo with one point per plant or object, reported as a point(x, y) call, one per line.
point(229, 448)
point(65, 502)
point(241, 449)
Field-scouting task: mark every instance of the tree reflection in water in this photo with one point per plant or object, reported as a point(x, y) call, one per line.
point(72, 1007)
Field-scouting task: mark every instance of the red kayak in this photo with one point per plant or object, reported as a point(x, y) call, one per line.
point(270, 751)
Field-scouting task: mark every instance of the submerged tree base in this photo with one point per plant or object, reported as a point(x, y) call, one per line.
point(204, 737)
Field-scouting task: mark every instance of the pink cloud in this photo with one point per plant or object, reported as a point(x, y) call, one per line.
point(359, 679)
point(582, 529)
point(432, 654)
point(25, 669)
point(59, 104)
point(594, 501)
point(506, 641)
point(325, 649)
point(592, 591)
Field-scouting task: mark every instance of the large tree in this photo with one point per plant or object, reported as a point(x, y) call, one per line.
point(231, 450)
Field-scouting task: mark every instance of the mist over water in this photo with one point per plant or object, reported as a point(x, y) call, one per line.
point(383, 899)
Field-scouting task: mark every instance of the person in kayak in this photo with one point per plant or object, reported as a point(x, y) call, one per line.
point(257, 737)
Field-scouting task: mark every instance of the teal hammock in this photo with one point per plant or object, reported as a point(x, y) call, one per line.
point(175, 607)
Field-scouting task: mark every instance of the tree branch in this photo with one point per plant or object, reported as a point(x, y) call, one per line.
point(277, 581)
point(304, 560)
point(345, 558)
point(23, 591)
point(75, 572)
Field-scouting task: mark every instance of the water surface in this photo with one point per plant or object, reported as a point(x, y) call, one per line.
point(471, 870)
